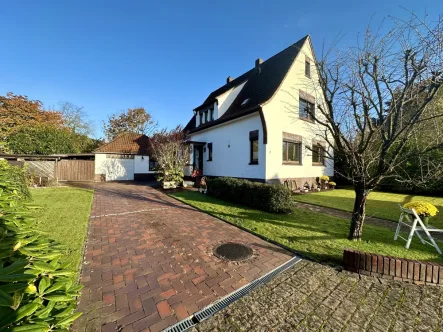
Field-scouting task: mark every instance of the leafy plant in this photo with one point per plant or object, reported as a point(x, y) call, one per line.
point(37, 292)
point(261, 196)
point(332, 183)
point(422, 208)
point(324, 178)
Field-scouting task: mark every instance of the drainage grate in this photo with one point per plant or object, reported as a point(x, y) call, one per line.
point(213, 308)
point(233, 251)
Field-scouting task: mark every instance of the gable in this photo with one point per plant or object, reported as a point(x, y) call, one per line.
point(260, 84)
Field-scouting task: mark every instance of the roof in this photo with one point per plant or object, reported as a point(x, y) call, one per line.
point(260, 86)
point(129, 143)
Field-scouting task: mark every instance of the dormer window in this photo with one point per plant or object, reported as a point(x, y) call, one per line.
point(211, 114)
point(245, 102)
point(206, 116)
point(201, 118)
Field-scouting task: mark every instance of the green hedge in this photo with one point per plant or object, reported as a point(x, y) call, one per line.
point(266, 197)
point(37, 292)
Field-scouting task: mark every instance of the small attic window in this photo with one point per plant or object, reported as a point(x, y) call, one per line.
point(245, 101)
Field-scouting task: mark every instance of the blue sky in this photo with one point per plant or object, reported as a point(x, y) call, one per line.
point(165, 55)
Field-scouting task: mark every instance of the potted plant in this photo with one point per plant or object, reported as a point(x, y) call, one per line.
point(332, 185)
point(323, 180)
point(423, 209)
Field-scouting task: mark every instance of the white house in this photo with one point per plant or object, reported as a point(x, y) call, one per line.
point(257, 126)
point(125, 158)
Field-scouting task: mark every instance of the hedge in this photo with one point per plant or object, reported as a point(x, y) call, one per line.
point(260, 196)
point(37, 292)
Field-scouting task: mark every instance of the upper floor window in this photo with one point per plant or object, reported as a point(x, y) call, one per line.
point(306, 110)
point(211, 114)
point(318, 154)
point(201, 118)
point(253, 145)
point(206, 116)
point(209, 151)
point(308, 67)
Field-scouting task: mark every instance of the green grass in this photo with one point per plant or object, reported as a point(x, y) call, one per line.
point(379, 204)
point(64, 218)
point(317, 236)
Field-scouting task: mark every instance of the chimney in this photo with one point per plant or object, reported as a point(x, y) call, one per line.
point(229, 79)
point(258, 62)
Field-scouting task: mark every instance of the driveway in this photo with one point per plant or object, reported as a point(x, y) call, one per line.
point(148, 261)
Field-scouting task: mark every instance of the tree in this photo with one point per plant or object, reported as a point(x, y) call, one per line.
point(376, 96)
point(134, 120)
point(41, 139)
point(75, 119)
point(18, 110)
point(171, 153)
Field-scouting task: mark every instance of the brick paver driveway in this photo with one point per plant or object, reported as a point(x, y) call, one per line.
point(149, 261)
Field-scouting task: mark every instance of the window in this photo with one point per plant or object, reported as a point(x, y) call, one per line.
point(245, 102)
point(308, 67)
point(318, 154)
point(212, 114)
point(120, 156)
point(152, 165)
point(253, 139)
point(209, 151)
point(206, 116)
point(201, 118)
point(306, 109)
point(291, 152)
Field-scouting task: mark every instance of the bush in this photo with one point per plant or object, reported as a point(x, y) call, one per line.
point(37, 292)
point(271, 198)
point(13, 179)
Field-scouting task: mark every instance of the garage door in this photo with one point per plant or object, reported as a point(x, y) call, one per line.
point(120, 169)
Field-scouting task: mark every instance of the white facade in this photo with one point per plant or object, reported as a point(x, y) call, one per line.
point(230, 140)
point(231, 149)
point(121, 169)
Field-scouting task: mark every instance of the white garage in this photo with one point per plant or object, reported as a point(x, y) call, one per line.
point(126, 158)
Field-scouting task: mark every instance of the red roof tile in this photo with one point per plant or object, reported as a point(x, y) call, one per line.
point(129, 143)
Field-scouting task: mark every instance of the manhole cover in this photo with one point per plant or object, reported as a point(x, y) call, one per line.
point(233, 251)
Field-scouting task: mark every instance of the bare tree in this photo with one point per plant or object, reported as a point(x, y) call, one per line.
point(171, 153)
point(376, 99)
point(75, 119)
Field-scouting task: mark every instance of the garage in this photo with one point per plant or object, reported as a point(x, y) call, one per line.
point(126, 158)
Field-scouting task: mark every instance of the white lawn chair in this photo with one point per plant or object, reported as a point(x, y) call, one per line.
point(416, 225)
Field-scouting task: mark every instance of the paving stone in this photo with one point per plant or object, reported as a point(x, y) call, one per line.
point(145, 247)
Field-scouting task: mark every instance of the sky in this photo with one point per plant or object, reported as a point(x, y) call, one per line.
point(166, 56)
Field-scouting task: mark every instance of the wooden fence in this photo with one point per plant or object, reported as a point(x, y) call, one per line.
point(75, 170)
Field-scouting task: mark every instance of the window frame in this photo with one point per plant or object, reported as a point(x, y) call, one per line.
point(253, 137)
point(286, 161)
point(209, 152)
point(206, 116)
point(320, 150)
point(309, 117)
point(308, 67)
point(201, 118)
point(211, 115)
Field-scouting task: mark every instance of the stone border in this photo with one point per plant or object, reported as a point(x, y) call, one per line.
point(393, 268)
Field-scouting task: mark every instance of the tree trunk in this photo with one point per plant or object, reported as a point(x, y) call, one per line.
point(358, 213)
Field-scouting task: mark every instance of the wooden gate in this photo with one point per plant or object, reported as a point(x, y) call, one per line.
point(75, 170)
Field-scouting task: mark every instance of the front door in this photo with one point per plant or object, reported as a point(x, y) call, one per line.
point(198, 158)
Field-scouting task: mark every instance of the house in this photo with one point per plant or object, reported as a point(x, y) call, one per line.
point(127, 157)
point(257, 126)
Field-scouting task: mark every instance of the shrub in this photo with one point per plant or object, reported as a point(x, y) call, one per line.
point(271, 198)
point(37, 292)
point(13, 179)
point(324, 178)
point(332, 183)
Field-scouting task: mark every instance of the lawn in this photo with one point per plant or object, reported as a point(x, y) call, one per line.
point(64, 218)
point(379, 204)
point(317, 236)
